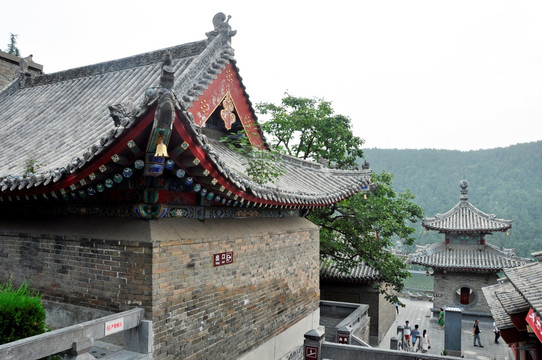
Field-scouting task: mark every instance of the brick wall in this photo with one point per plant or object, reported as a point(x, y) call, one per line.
point(447, 284)
point(111, 275)
point(166, 266)
point(223, 312)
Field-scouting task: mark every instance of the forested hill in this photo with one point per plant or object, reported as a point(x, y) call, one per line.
point(506, 182)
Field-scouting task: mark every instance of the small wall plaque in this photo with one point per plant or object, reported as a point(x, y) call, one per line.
point(342, 339)
point(114, 326)
point(311, 353)
point(224, 258)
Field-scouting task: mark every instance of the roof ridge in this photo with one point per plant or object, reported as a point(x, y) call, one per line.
point(156, 56)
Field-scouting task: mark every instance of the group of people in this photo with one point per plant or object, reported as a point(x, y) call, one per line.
point(476, 333)
point(416, 340)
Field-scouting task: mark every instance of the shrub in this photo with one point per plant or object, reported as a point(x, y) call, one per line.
point(21, 312)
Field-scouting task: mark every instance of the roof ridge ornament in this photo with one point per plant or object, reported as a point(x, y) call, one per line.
point(464, 184)
point(123, 113)
point(23, 70)
point(168, 73)
point(222, 26)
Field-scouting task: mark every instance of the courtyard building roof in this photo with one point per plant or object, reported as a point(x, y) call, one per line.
point(526, 280)
point(504, 300)
point(71, 135)
point(516, 304)
point(361, 274)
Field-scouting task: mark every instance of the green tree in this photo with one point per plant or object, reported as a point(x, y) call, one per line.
point(12, 46)
point(362, 227)
point(309, 129)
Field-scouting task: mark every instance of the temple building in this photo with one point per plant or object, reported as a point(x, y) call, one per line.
point(516, 305)
point(464, 262)
point(358, 286)
point(119, 188)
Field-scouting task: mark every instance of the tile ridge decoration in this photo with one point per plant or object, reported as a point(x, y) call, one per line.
point(201, 72)
point(11, 89)
point(179, 51)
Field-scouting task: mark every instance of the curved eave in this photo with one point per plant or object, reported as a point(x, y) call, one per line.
point(466, 257)
point(206, 164)
point(459, 268)
point(465, 231)
point(97, 166)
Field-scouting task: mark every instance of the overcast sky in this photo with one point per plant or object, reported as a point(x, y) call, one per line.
point(463, 75)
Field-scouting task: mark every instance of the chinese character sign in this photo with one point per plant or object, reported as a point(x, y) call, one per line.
point(223, 258)
point(535, 323)
point(114, 326)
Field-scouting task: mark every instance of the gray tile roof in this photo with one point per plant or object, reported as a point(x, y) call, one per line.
point(64, 121)
point(466, 218)
point(512, 301)
point(465, 257)
point(303, 182)
point(527, 280)
point(500, 308)
point(361, 274)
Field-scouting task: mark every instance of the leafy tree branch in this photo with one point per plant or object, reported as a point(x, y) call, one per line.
point(262, 166)
point(364, 226)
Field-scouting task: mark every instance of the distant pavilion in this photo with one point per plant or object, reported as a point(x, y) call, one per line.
point(464, 262)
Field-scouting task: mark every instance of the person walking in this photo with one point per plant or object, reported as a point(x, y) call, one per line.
point(397, 306)
point(476, 334)
point(416, 337)
point(424, 341)
point(497, 332)
point(441, 319)
point(407, 334)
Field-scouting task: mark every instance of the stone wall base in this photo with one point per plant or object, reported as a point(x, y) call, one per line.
point(289, 340)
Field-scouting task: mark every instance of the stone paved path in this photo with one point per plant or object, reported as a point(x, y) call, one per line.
point(419, 312)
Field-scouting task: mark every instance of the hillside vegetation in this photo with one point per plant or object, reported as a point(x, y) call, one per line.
point(506, 182)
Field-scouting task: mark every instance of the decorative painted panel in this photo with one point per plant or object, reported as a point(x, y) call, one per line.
point(227, 82)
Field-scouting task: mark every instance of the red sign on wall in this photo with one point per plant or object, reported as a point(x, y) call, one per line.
point(535, 323)
point(113, 326)
point(311, 353)
point(223, 258)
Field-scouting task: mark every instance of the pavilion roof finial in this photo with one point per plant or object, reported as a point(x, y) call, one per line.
point(464, 184)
